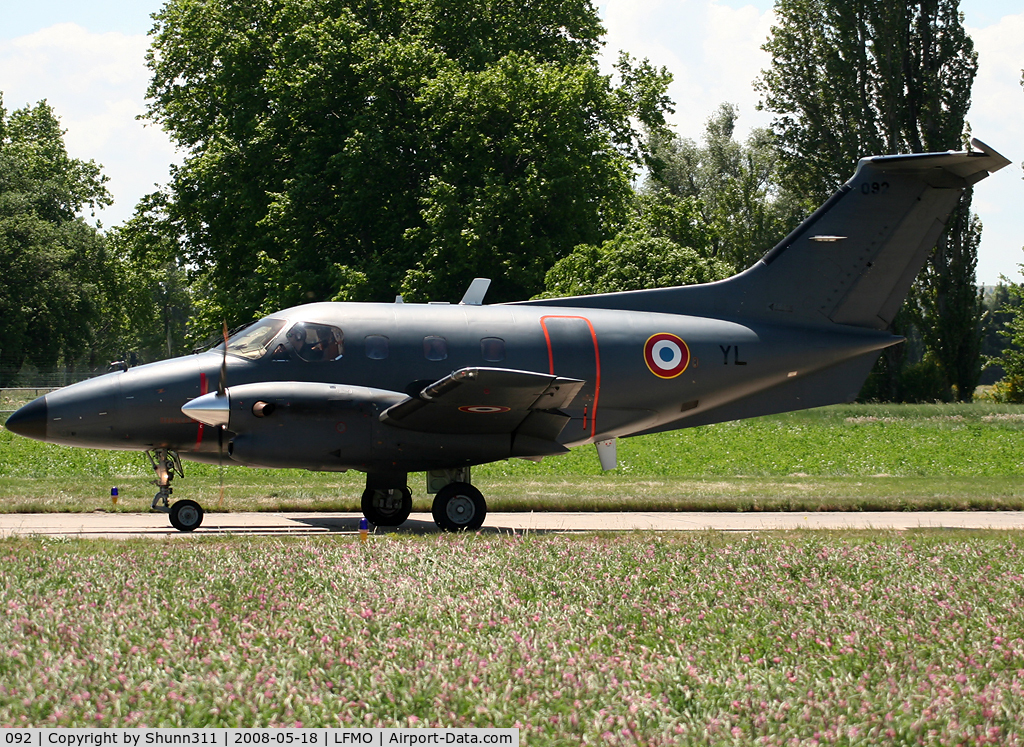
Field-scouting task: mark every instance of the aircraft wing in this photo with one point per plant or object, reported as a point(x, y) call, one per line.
point(490, 400)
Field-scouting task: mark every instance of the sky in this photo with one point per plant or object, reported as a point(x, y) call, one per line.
point(87, 61)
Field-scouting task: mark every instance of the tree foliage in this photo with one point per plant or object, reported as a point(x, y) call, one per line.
point(663, 245)
point(338, 149)
point(738, 189)
point(855, 79)
point(1011, 387)
point(1009, 323)
point(55, 265)
point(151, 317)
point(951, 306)
point(705, 212)
point(630, 261)
point(850, 80)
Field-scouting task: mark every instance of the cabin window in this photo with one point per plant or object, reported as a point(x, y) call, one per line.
point(435, 348)
point(492, 349)
point(310, 341)
point(376, 347)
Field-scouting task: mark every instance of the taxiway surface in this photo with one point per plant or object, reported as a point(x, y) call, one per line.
point(129, 525)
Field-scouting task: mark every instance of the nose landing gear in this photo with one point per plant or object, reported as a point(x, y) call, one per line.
point(185, 516)
point(387, 507)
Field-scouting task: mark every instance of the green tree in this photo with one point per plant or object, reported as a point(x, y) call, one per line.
point(744, 208)
point(705, 212)
point(1011, 387)
point(55, 265)
point(850, 80)
point(999, 309)
point(855, 79)
point(951, 307)
point(152, 305)
point(343, 149)
point(664, 244)
point(1009, 322)
point(633, 260)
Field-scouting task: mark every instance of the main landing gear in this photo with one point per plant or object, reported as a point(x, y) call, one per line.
point(186, 516)
point(387, 500)
point(458, 505)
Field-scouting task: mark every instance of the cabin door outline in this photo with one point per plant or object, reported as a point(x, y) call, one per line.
point(567, 338)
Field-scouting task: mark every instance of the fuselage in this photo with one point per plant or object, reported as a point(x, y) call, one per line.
point(642, 371)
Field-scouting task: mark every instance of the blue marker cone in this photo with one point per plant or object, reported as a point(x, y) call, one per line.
point(113, 496)
point(364, 530)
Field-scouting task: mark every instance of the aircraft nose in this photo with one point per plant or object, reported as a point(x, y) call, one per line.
point(30, 420)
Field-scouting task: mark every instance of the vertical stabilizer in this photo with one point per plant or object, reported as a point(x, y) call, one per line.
point(851, 262)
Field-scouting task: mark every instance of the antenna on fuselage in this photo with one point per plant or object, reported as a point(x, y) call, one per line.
point(476, 292)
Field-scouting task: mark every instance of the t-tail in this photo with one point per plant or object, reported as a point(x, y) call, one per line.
point(852, 262)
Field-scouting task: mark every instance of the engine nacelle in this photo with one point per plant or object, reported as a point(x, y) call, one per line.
point(303, 424)
point(334, 427)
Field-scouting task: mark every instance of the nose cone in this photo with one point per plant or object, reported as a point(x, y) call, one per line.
point(30, 420)
point(211, 409)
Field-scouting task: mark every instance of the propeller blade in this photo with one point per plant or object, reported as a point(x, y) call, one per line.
point(222, 385)
point(220, 460)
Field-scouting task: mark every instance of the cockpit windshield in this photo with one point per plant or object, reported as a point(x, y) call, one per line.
point(253, 341)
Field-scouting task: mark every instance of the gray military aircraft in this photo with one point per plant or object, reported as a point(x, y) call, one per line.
point(389, 389)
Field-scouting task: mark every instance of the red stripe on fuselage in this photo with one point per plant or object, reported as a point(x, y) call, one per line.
point(203, 388)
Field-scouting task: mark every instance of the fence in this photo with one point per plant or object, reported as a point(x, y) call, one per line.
point(44, 379)
point(13, 397)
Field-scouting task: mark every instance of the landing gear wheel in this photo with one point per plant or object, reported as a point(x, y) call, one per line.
point(186, 515)
point(458, 505)
point(387, 508)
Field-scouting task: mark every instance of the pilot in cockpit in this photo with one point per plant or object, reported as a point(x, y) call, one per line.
point(311, 342)
point(305, 343)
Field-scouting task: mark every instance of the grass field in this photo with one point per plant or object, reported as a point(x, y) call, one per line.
point(856, 457)
point(627, 640)
point(633, 639)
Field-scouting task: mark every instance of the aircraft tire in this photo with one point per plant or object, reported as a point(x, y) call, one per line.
point(381, 517)
point(459, 506)
point(186, 516)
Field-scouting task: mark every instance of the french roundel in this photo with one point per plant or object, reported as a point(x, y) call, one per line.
point(666, 355)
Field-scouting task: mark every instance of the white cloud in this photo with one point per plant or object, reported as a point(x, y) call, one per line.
point(712, 50)
point(96, 84)
point(997, 111)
